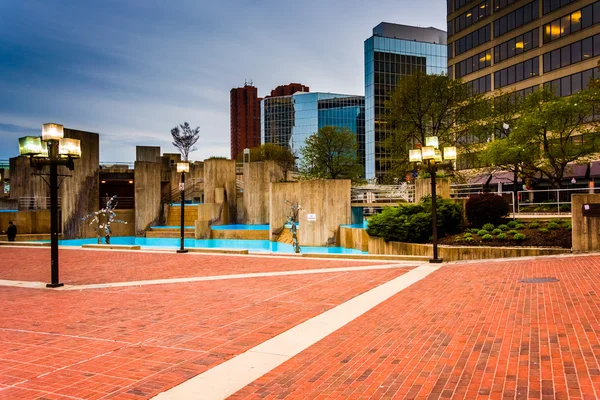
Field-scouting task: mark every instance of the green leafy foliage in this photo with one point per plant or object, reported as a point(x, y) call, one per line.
point(512, 232)
point(552, 225)
point(501, 236)
point(488, 227)
point(331, 153)
point(568, 226)
point(486, 208)
point(519, 226)
point(458, 239)
point(544, 230)
point(503, 227)
point(497, 231)
point(486, 237)
point(512, 224)
point(413, 223)
point(469, 240)
point(282, 156)
point(482, 232)
point(534, 225)
point(519, 237)
point(467, 235)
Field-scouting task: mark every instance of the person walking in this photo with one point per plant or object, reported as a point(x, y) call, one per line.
point(11, 232)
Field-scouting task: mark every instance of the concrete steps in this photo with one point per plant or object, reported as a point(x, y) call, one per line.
point(169, 233)
point(174, 215)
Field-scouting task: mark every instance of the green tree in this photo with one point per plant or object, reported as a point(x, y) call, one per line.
point(331, 153)
point(283, 156)
point(431, 105)
point(558, 131)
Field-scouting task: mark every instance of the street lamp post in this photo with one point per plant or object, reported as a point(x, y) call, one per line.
point(51, 149)
point(432, 156)
point(182, 167)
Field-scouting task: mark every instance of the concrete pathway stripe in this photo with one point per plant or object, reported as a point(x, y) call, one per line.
point(41, 285)
point(229, 377)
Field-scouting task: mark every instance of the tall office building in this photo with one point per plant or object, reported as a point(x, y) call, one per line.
point(394, 51)
point(289, 120)
point(245, 119)
point(289, 89)
point(519, 45)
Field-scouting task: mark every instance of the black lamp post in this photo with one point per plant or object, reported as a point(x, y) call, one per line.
point(432, 156)
point(182, 167)
point(51, 149)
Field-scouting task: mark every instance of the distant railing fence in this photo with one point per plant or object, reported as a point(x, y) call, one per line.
point(36, 203)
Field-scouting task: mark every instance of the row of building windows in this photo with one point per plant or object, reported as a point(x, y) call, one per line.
point(469, 17)
point(520, 44)
point(472, 40)
point(517, 73)
point(572, 53)
point(480, 85)
point(473, 64)
point(500, 4)
point(572, 22)
point(503, 101)
point(572, 84)
point(515, 19)
point(551, 5)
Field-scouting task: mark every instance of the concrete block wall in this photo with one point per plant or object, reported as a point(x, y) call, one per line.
point(257, 176)
point(423, 188)
point(586, 230)
point(219, 173)
point(147, 195)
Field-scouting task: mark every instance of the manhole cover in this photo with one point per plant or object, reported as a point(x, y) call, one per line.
point(539, 280)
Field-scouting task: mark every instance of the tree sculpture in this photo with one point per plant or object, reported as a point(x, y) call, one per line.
point(103, 219)
point(293, 220)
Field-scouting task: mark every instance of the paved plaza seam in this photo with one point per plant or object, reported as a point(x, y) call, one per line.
point(229, 377)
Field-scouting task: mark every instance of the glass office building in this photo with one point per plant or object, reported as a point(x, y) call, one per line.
point(394, 51)
point(290, 120)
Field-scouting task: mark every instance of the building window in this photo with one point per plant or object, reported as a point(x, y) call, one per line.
point(515, 19)
point(474, 64)
point(572, 53)
point(472, 40)
point(500, 4)
point(572, 22)
point(480, 85)
point(572, 84)
point(516, 46)
point(472, 15)
point(552, 5)
point(517, 73)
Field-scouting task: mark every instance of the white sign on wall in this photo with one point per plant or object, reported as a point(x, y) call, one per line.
point(311, 217)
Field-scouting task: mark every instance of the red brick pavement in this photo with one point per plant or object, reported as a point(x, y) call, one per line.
point(469, 331)
point(85, 266)
point(136, 342)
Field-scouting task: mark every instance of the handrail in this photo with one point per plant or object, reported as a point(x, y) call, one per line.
point(36, 203)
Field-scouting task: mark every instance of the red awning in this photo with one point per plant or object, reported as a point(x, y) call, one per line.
point(575, 171)
point(504, 178)
point(595, 169)
point(480, 179)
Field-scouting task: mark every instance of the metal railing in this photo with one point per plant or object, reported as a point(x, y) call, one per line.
point(122, 203)
point(117, 164)
point(36, 203)
point(379, 194)
point(549, 201)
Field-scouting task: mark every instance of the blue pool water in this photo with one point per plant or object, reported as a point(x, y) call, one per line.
point(250, 245)
point(239, 227)
point(364, 225)
point(172, 227)
point(9, 210)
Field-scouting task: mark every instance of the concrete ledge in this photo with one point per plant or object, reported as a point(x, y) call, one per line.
point(369, 257)
point(221, 251)
point(112, 246)
point(239, 234)
point(24, 244)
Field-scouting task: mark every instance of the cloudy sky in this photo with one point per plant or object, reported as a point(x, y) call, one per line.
point(133, 69)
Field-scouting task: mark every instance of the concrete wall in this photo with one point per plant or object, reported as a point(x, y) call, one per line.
point(194, 186)
point(257, 176)
point(79, 193)
point(220, 173)
point(423, 188)
point(455, 253)
point(128, 229)
point(23, 183)
point(354, 238)
point(586, 230)
point(329, 200)
point(147, 153)
point(147, 195)
point(27, 221)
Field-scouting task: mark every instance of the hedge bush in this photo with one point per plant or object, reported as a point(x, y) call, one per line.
point(502, 236)
point(512, 232)
point(534, 225)
point(482, 232)
point(552, 225)
point(497, 231)
point(543, 230)
point(488, 227)
point(486, 238)
point(519, 237)
point(519, 226)
point(503, 227)
point(486, 208)
point(512, 224)
point(413, 223)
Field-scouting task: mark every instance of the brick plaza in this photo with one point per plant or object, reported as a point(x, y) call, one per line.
point(470, 330)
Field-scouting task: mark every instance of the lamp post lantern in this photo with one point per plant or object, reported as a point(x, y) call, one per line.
point(51, 149)
point(433, 157)
point(182, 167)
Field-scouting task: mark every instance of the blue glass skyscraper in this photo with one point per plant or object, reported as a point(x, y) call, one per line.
point(394, 51)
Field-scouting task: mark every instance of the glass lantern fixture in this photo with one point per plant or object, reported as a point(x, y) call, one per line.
point(31, 146)
point(68, 147)
point(52, 131)
point(430, 152)
point(183, 167)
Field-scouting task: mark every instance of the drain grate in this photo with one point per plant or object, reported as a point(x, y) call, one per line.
point(539, 280)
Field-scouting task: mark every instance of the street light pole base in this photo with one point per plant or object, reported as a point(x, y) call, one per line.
point(436, 261)
point(182, 251)
point(54, 285)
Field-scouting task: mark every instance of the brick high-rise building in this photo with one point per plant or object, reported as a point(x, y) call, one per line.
point(288, 90)
point(245, 119)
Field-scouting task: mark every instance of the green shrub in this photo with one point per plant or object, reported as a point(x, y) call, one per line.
point(482, 232)
point(412, 222)
point(486, 238)
point(468, 239)
point(501, 236)
point(503, 227)
point(519, 226)
point(552, 225)
point(564, 207)
point(474, 230)
point(543, 230)
point(486, 208)
point(457, 239)
point(512, 224)
point(534, 225)
point(512, 232)
point(559, 221)
point(467, 234)
point(497, 231)
point(488, 227)
point(519, 237)
point(568, 226)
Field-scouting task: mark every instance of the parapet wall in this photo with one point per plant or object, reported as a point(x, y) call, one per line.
point(147, 195)
point(257, 177)
point(586, 230)
point(220, 173)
